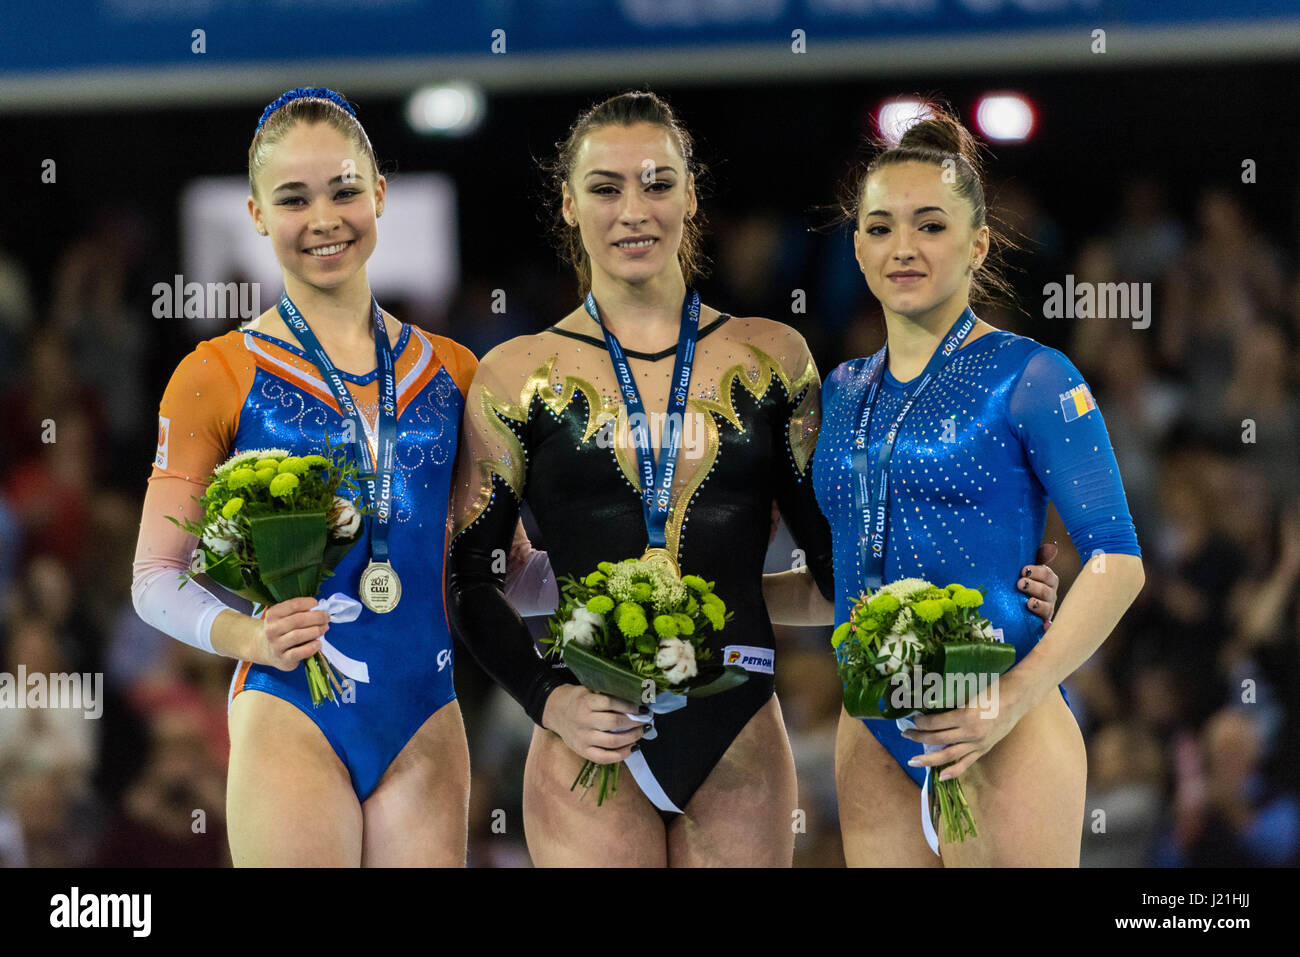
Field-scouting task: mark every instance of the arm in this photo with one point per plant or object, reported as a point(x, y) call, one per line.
point(1071, 455)
point(804, 595)
point(488, 487)
point(196, 431)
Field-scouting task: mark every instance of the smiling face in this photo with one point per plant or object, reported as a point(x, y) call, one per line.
point(915, 243)
point(317, 198)
point(628, 194)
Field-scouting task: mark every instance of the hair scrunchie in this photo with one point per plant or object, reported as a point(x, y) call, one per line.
point(297, 94)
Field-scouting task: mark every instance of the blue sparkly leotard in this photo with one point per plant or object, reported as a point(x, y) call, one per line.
point(1007, 425)
point(246, 390)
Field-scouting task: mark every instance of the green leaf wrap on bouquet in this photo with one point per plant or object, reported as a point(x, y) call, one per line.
point(604, 677)
point(226, 572)
point(290, 550)
point(975, 658)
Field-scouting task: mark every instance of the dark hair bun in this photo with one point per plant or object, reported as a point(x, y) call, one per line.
point(944, 133)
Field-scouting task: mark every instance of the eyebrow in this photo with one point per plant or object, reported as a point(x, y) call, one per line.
point(356, 178)
point(612, 175)
point(916, 212)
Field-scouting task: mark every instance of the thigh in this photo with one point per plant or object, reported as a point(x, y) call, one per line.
point(566, 829)
point(1027, 795)
point(289, 800)
point(879, 803)
point(418, 814)
point(743, 813)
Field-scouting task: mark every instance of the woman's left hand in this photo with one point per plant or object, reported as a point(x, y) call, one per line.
point(967, 734)
point(1038, 584)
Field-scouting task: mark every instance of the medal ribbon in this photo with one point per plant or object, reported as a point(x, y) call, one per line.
point(871, 491)
point(656, 483)
point(377, 481)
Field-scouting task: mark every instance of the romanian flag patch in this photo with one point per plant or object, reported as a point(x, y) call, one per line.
point(1077, 403)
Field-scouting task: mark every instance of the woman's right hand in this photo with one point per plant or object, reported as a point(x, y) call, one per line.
point(290, 631)
point(595, 727)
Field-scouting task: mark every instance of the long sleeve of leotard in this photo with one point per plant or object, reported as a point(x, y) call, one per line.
point(796, 435)
point(486, 495)
point(196, 426)
point(1064, 436)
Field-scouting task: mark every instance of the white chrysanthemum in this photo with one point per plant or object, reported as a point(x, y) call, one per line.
point(677, 658)
point(581, 627)
point(903, 622)
point(222, 536)
point(345, 520)
point(237, 460)
point(897, 651)
point(667, 591)
point(906, 587)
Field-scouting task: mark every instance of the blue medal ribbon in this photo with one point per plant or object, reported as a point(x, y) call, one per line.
point(656, 482)
point(378, 482)
point(871, 490)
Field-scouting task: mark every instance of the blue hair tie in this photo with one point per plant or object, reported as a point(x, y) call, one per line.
point(297, 94)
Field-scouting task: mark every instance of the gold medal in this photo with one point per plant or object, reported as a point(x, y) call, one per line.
point(660, 556)
point(380, 589)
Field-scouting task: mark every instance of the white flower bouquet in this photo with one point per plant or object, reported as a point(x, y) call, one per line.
point(274, 528)
point(912, 647)
point(634, 629)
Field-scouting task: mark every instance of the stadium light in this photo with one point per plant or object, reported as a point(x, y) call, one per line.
point(895, 116)
point(447, 109)
point(1006, 117)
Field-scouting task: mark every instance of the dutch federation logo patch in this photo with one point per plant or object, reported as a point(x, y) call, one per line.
point(750, 658)
point(1077, 403)
point(164, 434)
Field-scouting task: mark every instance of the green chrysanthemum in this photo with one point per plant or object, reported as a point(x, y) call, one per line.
point(605, 567)
point(968, 598)
point(928, 610)
point(883, 604)
point(316, 461)
point(695, 583)
point(839, 634)
point(283, 486)
point(712, 600)
point(263, 476)
point(241, 478)
point(685, 626)
point(267, 463)
point(293, 466)
point(665, 626)
point(642, 591)
point(715, 615)
point(232, 507)
point(600, 604)
point(594, 579)
point(630, 619)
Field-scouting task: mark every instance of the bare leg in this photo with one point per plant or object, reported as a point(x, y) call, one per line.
point(418, 814)
point(879, 804)
point(1027, 795)
point(289, 800)
point(566, 829)
point(742, 815)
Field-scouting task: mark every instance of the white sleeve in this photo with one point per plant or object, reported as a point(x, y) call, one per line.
point(185, 613)
point(531, 587)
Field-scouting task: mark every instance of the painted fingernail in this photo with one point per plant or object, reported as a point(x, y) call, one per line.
point(945, 776)
point(914, 762)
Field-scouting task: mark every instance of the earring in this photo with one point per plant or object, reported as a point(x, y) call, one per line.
point(261, 230)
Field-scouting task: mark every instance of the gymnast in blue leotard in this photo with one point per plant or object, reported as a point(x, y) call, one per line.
point(382, 776)
point(997, 426)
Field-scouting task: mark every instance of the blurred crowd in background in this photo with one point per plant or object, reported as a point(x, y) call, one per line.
point(1189, 709)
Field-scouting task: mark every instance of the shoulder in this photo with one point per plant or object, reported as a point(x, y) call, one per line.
point(460, 363)
point(221, 358)
point(783, 343)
